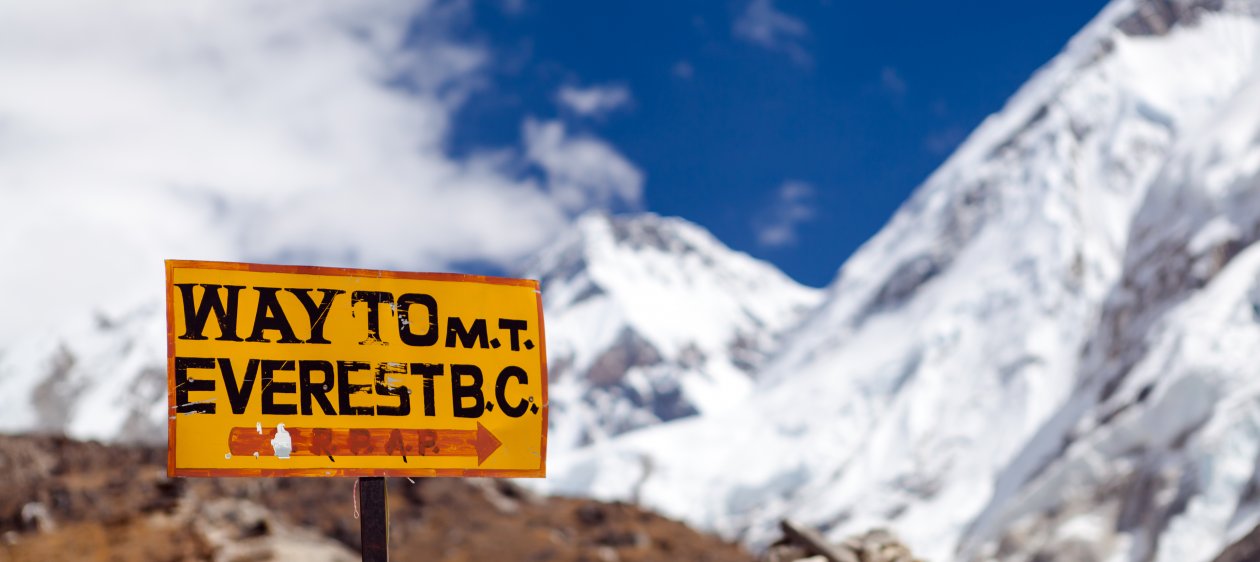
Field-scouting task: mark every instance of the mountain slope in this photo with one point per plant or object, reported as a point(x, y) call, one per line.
point(651, 319)
point(1169, 379)
point(957, 346)
point(98, 377)
point(648, 319)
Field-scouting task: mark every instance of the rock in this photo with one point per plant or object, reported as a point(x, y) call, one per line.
point(876, 545)
point(35, 516)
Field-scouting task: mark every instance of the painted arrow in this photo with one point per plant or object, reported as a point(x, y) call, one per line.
point(374, 442)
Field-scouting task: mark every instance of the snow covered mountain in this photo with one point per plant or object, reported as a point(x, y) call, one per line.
point(651, 319)
point(648, 319)
point(1045, 354)
point(100, 377)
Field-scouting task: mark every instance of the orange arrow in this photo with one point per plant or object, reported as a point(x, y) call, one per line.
point(374, 442)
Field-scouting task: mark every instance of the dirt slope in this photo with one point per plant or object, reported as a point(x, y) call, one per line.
point(67, 500)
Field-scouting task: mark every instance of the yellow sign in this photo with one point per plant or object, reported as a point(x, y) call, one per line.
point(310, 371)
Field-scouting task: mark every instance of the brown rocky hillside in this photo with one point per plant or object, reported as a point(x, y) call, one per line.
point(67, 500)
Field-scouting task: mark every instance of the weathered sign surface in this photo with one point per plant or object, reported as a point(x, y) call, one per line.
point(308, 371)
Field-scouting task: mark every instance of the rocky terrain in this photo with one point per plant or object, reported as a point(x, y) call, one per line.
point(807, 545)
point(62, 499)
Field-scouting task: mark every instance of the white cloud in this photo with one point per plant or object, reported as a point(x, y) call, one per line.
point(792, 207)
point(762, 24)
point(582, 171)
point(251, 130)
point(594, 101)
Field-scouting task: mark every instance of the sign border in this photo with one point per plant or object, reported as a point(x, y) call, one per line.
point(173, 471)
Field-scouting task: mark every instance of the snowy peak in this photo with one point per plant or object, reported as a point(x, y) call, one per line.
point(1157, 17)
point(648, 319)
point(99, 377)
point(1106, 113)
point(675, 284)
point(960, 368)
point(651, 319)
point(1165, 372)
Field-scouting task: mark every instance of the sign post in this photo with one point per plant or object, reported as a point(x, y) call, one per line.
point(374, 519)
point(316, 372)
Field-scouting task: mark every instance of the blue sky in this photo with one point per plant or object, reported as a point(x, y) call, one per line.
point(791, 130)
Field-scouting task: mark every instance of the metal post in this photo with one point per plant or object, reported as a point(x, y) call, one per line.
point(373, 519)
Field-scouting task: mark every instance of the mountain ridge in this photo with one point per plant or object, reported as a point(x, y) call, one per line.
point(699, 336)
point(959, 348)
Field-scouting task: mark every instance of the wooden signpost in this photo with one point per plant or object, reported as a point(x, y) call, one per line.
point(316, 372)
